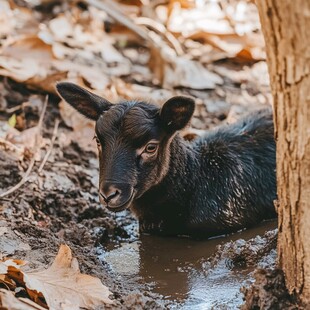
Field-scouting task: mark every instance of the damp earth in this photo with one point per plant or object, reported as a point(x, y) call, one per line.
point(142, 271)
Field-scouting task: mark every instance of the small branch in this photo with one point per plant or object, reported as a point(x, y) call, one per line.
point(18, 107)
point(32, 162)
point(22, 181)
point(150, 36)
point(7, 145)
point(55, 131)
point(161, 29)
point(111, 9)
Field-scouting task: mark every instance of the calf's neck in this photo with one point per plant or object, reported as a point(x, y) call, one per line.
point(220, 183)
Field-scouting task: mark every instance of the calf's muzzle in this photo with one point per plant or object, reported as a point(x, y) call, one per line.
point(116, 196)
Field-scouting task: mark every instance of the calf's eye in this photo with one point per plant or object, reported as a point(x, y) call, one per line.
point(151, 148)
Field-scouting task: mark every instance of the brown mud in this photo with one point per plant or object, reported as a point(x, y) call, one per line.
point(60, 205)
point(269, 292)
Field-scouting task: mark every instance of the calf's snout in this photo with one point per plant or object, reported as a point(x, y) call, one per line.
point(115, 196)
point(110, 193)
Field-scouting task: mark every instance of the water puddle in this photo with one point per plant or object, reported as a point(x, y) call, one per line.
point(177, 268)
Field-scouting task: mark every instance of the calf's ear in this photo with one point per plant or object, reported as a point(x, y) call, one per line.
point(85, 102)
point(177, 112)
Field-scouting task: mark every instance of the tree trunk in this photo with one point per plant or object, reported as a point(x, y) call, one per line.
point(286, 28)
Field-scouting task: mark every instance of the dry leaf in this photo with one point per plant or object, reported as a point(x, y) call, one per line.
point(93, 75)
point(6, 20)
point(7, 263)
point(7, 268)
point(137, 91)
point(191, 74)
point(10, 302)
point(30, 47)
point(7, 282)
point(3, 268)
point(62, 283)
point(19, 70)
point(83, 128)
point(26, 58)
point(63, 23)
point(208, 18)
point(14, 19)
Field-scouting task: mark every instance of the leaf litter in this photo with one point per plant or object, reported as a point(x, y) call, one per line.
point(61, 285)
point(211, 50)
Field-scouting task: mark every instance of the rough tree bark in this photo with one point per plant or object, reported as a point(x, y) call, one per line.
point(286, 28)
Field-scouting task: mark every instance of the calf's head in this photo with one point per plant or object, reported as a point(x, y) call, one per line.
point(133, 140)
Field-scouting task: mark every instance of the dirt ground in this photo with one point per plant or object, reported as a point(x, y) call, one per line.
point(59, 204)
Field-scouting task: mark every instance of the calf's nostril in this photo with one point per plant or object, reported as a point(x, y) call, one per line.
point(109, 196)
point(112, 195)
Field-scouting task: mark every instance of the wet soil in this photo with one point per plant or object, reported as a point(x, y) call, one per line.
point(149, 272)
point(60, 205)
point(269, 292)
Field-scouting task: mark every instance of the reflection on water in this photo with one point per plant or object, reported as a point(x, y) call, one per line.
point(174, 267)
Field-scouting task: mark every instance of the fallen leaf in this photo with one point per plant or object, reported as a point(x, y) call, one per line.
point(26, 139)
point(191, 74)
point(12, 120)
point(47, 83)
point(9, 302)
point(7, 268)
point(7, 263)
point(30, 47)
point(134, 91)
point(6, 22)
point(83, 128)
point(208, 18)
point(3, 268)
point(63, 23)
point(25, 58)
point(19, 70)
point(7, 282)
point(63, 283)
point(15, 19)
point(92, 74)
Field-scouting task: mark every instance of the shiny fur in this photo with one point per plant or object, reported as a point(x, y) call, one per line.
point(220, 183)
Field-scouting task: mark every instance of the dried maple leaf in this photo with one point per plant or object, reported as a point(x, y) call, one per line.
point(7, 268)
point(62, 284)
point(7, 263)
point(9, 301)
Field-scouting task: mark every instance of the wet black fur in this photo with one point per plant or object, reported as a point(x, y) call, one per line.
point(222, 182)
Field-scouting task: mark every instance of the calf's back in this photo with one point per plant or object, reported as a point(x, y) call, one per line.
point(218, 184)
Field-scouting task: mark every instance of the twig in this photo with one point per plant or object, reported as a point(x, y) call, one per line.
point(18, 107)
point(32, 162)
point(9, 145)
point(112, 10)
point(161, 29)
point(51, 145)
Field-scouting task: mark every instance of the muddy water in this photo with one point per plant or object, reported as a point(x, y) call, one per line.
point(177, 269)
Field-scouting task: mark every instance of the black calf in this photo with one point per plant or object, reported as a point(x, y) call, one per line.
point(218, 184)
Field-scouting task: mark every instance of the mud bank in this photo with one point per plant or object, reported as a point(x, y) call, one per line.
point(149, 272)
point(60, 204)
point(269, 292)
